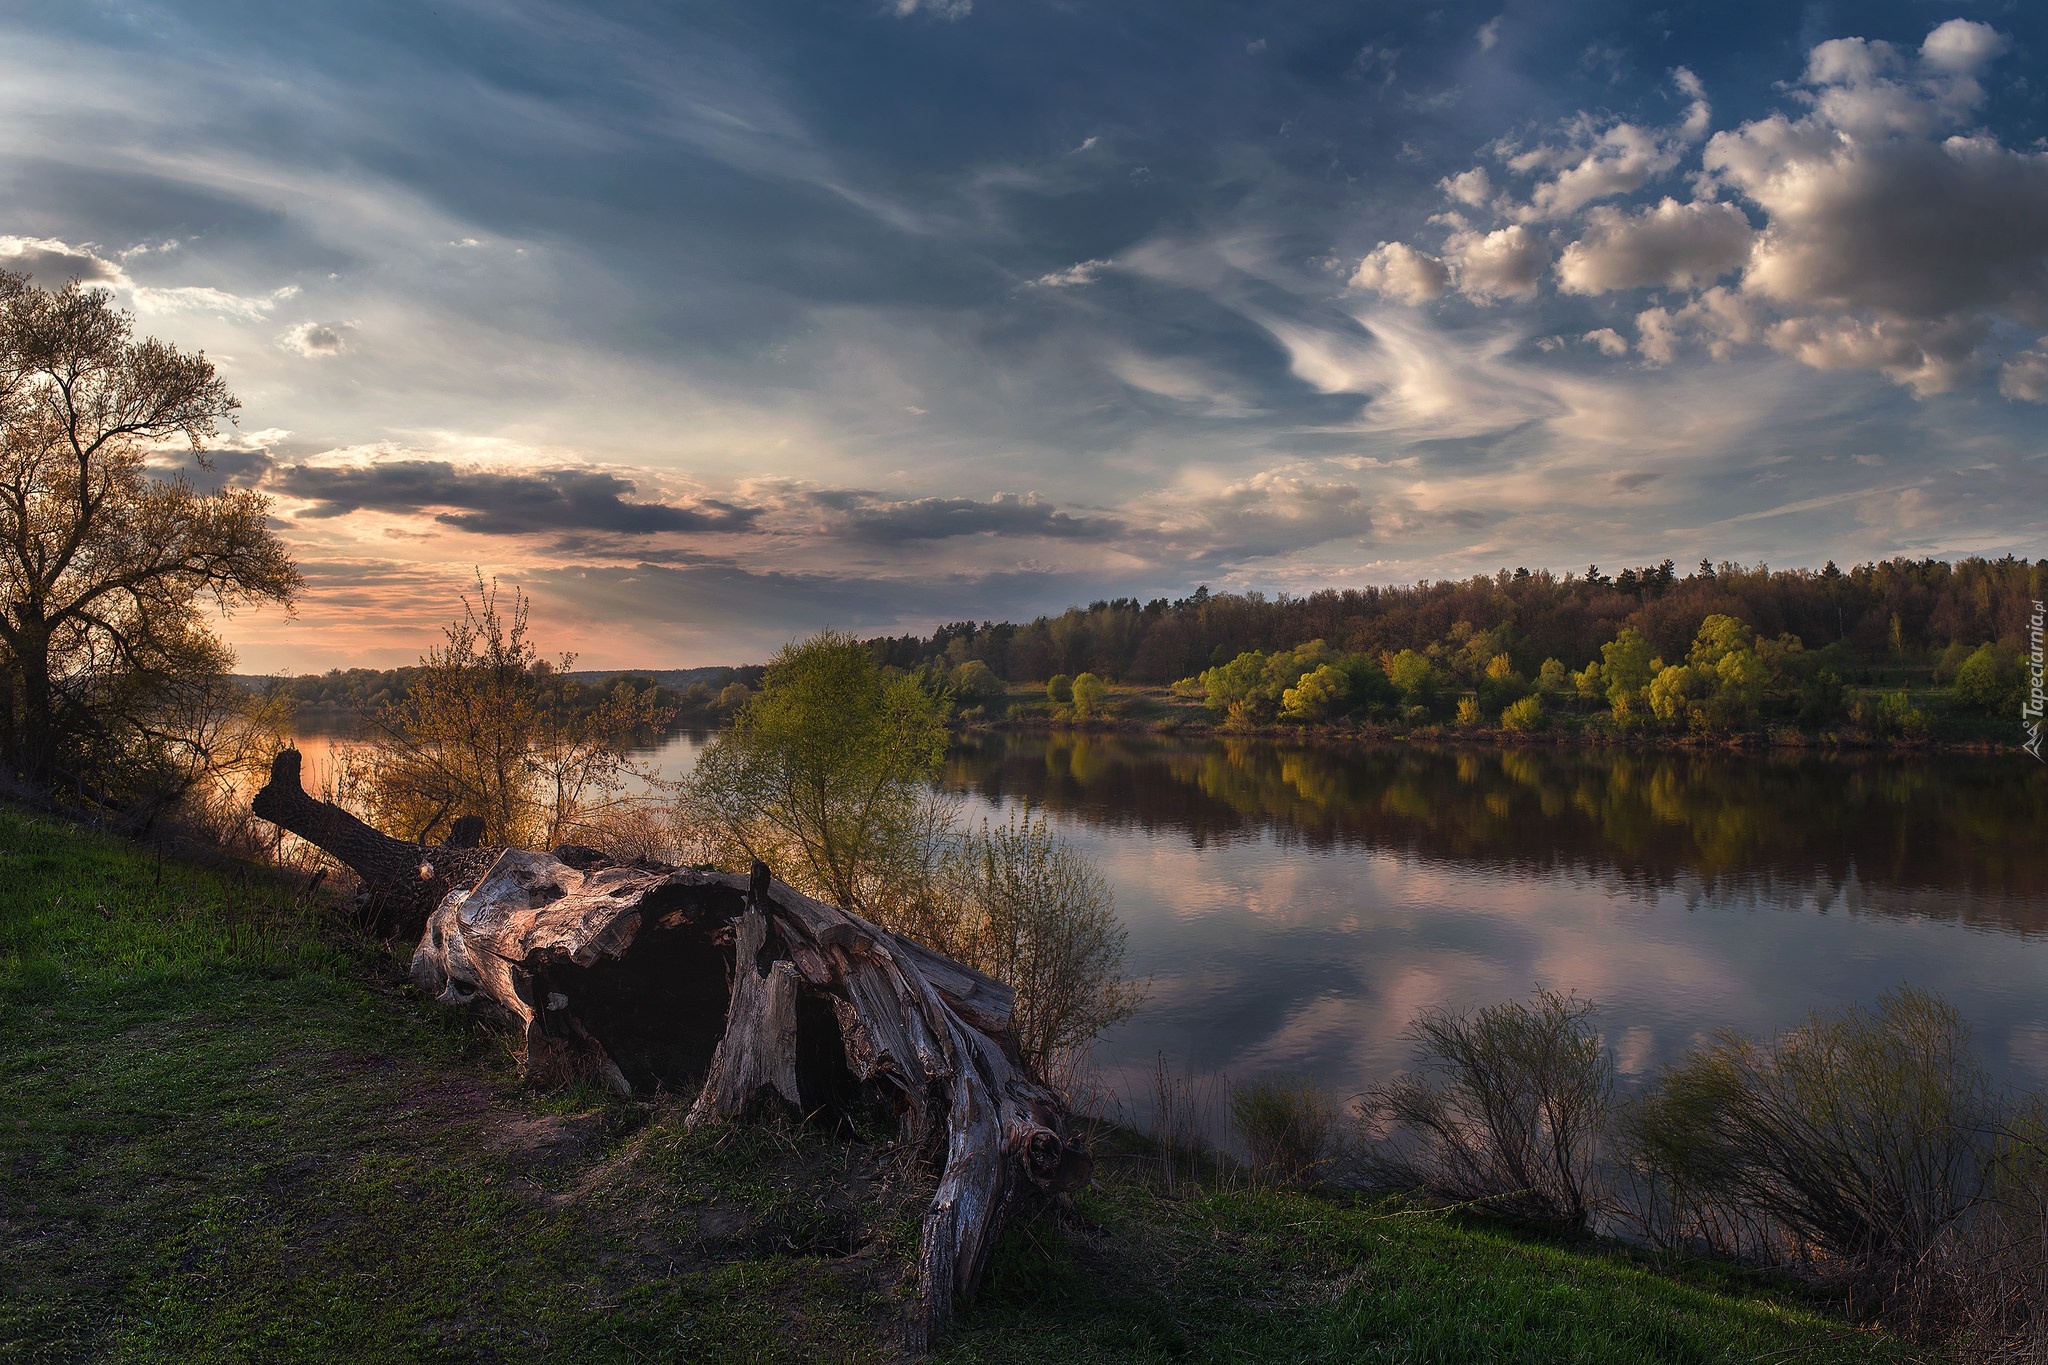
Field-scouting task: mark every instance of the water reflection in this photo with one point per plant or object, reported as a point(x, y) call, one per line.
point(1950, 837)
point(1295, 907)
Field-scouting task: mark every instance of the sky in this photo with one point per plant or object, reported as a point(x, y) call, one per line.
point(711, 324)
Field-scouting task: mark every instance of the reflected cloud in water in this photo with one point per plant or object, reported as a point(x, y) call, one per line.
point(1295, 907)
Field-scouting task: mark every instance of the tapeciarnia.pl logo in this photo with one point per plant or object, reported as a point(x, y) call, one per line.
point(2037, 696)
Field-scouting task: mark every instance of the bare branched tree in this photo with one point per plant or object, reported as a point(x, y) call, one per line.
point(489, 728)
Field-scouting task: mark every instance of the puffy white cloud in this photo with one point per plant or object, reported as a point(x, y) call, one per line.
point(1472, 188)
point(1718, 318)
point(1906, 225)
point(205, 299)
point(1491, 265)
point(1668, 244)
point(1399, 271)
point(51, 263)
point(1610, 342)
point(1271, 512)
point(1481, 265)
point(1595, 159)
point(1927, 357)
point(2025, 376)
point(1870, 228)
point(316, 339)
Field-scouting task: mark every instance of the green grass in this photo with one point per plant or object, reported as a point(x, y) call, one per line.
point(230, 1132)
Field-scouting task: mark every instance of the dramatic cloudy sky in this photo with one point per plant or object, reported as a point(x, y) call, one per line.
point(709, 323)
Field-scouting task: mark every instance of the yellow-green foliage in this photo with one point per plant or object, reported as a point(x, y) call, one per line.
point(824, 775)
point(1626, 667)
point(1315, 696)
point(1255, 687)
point(1526, 714)
point(1091, 696)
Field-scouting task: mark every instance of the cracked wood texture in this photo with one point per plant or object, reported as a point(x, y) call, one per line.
point(648, 977)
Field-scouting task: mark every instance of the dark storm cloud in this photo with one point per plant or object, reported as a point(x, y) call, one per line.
point(500, 503)
point(220, 468)
point(942, 518)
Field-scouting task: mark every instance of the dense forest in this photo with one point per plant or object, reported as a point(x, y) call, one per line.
point(1723, 649)
point(1897, 611)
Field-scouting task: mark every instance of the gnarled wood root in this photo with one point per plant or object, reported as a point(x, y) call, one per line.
point(629, 974)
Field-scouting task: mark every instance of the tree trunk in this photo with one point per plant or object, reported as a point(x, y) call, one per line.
point(401, 882)
point(648, 976)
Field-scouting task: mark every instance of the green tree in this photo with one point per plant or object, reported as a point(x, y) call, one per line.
point(974, 683)
point(1626, 667)
point(1414, 677)
point(1091, 695)
point(825, 776)
point(105, 573)
point(1675, 691)
point(1980, 682)
point(1316, 696)
point(1228, 684)
point(1059, 689)
point(1718, 636)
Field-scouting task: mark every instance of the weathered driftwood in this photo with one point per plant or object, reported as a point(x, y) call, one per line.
point(649, 977)
point(401, 882)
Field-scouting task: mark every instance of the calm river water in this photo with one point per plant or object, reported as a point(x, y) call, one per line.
point(1294, 907)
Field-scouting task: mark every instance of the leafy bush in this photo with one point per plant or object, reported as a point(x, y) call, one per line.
point(1981, 682)
point(1091, 696)
point(825, 776)
point(974, 684)
point(1287, 1125)
point(1316, 696)
point(1863, 1136)
point(1524, 715)
point(1027, 909)
point(1059, 689)
point(1414, 677)
point(1821, 701)
point(1505, 1107)
point(1469, 712)
point(1897, 718)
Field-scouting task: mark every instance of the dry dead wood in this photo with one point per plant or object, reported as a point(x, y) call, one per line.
point(650, 977)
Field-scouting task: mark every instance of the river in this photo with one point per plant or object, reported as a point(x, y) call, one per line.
point(1293, 907)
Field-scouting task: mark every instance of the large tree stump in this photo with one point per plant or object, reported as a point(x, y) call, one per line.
point(649, 977)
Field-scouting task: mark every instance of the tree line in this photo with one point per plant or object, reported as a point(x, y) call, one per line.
point(357, 692)
point(1889, 613)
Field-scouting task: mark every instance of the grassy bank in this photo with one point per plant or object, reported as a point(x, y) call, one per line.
point(229, 1132)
